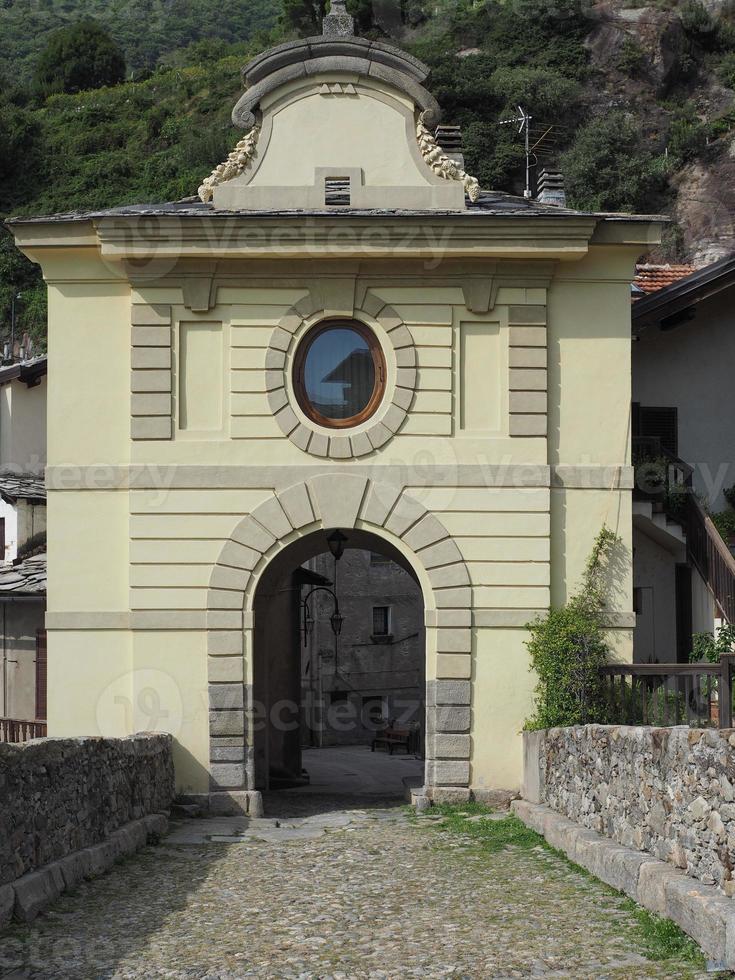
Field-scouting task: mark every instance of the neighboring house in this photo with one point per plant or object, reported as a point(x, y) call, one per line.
point(476, 432)
point(373, 671)
point(684, 416)
point(23, 538)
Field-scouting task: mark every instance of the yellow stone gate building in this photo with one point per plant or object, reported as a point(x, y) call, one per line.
point(480, 348)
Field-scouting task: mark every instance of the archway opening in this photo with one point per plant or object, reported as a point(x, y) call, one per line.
point(339, 669)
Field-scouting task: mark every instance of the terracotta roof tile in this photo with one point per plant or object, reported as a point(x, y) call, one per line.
point(651, 278)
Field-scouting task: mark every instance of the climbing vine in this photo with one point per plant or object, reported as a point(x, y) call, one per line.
point(569, 646)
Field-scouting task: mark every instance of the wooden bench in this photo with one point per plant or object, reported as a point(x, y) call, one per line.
point(393, 738)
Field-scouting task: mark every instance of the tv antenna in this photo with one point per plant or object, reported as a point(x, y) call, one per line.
point(523, 121)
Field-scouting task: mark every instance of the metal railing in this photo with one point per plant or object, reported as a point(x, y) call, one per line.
point(711, 557)
point(699, 695)
point(667, 480)
point(14, 730)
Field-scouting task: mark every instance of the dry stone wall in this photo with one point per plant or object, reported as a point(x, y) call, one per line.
point(60, 795)
point(667, 791)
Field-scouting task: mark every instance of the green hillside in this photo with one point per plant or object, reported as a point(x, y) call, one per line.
point(145, 29)
point(629, 133)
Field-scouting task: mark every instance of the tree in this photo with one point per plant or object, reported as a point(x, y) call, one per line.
point(304, 16)
point(608, 168)
point(76, 58)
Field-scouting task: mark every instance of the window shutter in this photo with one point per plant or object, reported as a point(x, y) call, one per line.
point(661, 424)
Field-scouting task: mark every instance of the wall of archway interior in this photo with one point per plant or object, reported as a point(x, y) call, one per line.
point(323, 502)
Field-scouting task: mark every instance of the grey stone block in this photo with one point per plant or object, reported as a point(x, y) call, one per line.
point(227, 753)
point(451, 746)
point(452, 719)
point(36, 891)
point(248, 802)
point(226, 697)
point(156, 826)
point(448, 773)
point(652, 879)
point(227, 775)
point(100, 858)
point(75, 868)
point(226, 722)
point(453, 692)
point(702, 914)
point(449, 794)
point(533, 788)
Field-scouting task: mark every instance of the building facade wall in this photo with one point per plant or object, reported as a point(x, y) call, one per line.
point(514, 442)
point(690, 368)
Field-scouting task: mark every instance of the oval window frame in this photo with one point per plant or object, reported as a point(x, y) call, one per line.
point(379, 365)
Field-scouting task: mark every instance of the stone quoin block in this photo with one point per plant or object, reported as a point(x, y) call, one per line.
point(337, 501)
point(452, 719)
point(253, 534)
point(226, 697)
point(227, 577)
point(451, 665)
point(452, 692)
point(227, 775)
point(454, 641)
point(297, 505)
point(238, 557)
point(150, 428)
point(223, 670)
point(445, 772)
point(226, 722)
point(145, 315)
point(425, 533)
point(405, 513)
point(378, 503)
point(225, 643)
point(273, 518)
point(452, 746)
point(443, 552)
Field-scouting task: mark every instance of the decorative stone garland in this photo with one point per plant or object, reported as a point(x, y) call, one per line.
point(389, 417)
point(236, 163)
point(441, 164)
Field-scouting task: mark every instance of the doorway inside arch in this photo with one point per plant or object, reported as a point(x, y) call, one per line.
point(339, 669)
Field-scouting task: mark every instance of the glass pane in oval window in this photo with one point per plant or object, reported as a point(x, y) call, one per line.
point(339, 373)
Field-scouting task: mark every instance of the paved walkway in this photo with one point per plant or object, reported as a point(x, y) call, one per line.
point(350, 769)
point(341, 891)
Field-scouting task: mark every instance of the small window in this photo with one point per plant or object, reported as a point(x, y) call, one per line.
point(339, 374)
point(338, 697)
point(381, 620)
point(377, 559)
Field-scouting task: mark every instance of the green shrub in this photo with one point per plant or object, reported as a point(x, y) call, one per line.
point(709, 647)
point(608, 168)
point(569, 646)
point(729, 494)
point(77, 58)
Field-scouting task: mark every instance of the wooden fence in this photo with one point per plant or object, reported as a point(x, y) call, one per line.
point(13, 730)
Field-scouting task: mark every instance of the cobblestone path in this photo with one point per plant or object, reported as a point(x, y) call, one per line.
point(364, 893)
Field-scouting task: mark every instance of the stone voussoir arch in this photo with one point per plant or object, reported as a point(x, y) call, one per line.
point(345, 501)
point(392, 412)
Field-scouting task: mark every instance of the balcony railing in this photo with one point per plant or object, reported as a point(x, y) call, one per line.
point(699, 695)
point(13, 730)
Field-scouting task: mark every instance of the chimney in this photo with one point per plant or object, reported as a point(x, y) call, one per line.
point(550, 188)
point(338, 23)
point(449, 139)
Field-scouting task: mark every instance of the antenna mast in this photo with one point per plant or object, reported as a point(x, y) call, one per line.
point(523, 121)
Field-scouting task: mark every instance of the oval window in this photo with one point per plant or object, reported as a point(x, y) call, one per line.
point(339, 374)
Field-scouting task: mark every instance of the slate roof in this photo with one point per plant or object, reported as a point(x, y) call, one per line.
point(13, 488)
point(28, 577)
point(650, 278)
point(490, 203)
point(30, 371)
